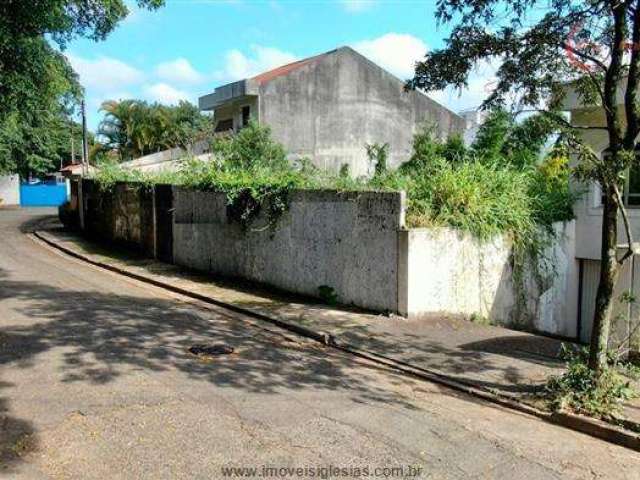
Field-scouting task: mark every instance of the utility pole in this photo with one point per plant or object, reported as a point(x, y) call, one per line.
point(85, 144)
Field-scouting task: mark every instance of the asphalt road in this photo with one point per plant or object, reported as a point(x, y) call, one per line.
point(96, 382)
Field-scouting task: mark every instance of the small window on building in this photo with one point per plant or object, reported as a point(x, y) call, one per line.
point(631, 187)
point(224, 125)
point(246, 115)
point(632, 197)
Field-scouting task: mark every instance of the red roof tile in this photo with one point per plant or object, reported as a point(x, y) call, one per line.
point(284, 69)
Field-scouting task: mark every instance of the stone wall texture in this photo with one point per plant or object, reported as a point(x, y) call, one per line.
point(345, 241)
point(446, 271)
point(352, 243)
point(123, 214)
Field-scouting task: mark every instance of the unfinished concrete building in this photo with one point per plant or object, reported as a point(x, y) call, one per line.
point(328, 107)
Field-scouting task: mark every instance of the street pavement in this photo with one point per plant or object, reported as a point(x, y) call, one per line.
point(97, 381)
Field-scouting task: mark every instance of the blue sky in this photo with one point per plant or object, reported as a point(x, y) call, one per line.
point(187, 48)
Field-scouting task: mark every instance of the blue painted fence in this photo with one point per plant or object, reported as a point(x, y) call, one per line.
point(42, 194)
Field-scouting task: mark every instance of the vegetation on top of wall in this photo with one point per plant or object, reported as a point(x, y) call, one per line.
point(252, 169)
point(486, 189)
point(491, 187)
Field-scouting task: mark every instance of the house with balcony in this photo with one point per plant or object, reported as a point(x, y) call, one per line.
point(588, 228)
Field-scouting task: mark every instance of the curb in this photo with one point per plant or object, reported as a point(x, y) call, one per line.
point(590, 426)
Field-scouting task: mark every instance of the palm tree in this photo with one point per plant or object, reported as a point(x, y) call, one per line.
point(135, 128)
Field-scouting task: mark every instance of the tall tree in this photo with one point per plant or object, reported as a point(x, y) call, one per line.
point(37, 85)
point(540, 46)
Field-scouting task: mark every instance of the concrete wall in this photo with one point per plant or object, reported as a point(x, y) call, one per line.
point(330, 108)
point(9, 190)
point(555, 306)
point(353, 242)
point(347, 241)
point(451, 272)
point(124, 215)
point(168, 160)
point(588, 213)
point(588, 209)
point(233, 111)
point(445, 271)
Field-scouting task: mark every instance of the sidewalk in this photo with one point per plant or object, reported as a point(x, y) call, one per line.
point(502, 361)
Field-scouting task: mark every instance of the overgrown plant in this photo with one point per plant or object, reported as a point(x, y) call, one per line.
point(108, 174)
point(252, 169)
point(448, 184)
point(545, 49)
point(581, 389)
point(445, 182)
point(378, 154)
point(251, 149)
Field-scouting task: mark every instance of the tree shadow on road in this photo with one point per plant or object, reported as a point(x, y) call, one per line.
point(99, 337)
point(16, 435)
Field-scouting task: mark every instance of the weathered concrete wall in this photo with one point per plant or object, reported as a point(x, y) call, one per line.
point(355, 243)
point(449, 271)
point(127, 214)
point(9, 190)
point(555, 305)
point(330, 108)
point(347, 241)
point(124, 214)
point(232, 111)
point(163, 213)
point(445, 271)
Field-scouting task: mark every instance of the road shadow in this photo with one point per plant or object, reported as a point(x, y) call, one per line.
point(104, 336)
point(17, 436)
point(421, 342)
point(486, 363)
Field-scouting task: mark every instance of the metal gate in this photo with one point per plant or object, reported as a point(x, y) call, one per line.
point(43, 194)
point(625, 313)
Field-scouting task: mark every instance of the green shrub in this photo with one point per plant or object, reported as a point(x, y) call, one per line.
point(482, 199)
point(428, 149)
point(503, 140)
point(252, 148)
point(110, 173)
point(550, 192)
point(446, 183)
point(249, 192)
point(328, 294)
point(577, 389)
point(378, 154)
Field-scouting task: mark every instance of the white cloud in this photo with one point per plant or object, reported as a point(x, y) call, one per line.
point(164, 93)
point(395, 52)
point(178, 71)
point(398, 53)
point(238, 65)
point(357, 6)
point(104, 73)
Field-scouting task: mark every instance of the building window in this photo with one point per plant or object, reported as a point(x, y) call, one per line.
point(246, 115)
point(631, 188)
point(632, 192)
point(224, 125)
